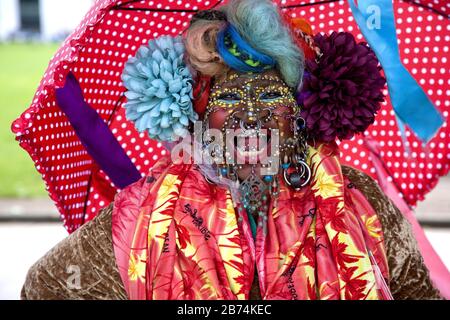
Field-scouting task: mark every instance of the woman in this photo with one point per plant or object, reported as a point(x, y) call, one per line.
point(268, 212)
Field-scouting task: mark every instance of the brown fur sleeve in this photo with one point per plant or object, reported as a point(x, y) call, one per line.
point(89, 250)
point(409, 277)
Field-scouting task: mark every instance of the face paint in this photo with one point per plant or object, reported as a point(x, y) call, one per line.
point(254, 103)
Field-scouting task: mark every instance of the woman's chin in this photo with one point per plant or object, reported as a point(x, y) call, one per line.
point(243, 155)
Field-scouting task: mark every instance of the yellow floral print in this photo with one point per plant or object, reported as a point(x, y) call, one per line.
point(325, 184)
point(372, 226)
point(137, 266)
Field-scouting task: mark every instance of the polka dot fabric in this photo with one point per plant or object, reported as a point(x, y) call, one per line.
point(95, 52)
point(423, 32)
point(112, 31)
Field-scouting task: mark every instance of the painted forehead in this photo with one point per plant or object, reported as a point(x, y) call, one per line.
point(235, 79)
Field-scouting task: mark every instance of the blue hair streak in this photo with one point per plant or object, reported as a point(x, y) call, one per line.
point(238, 54)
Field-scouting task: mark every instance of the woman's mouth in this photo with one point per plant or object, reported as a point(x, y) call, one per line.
point(251, 147)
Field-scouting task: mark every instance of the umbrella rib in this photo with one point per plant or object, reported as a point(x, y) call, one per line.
point(441, 13)
point(121, 7)
point(86, 199)
point(154, 10)
point(413, 2)
point(115, 109)
point(308, 4)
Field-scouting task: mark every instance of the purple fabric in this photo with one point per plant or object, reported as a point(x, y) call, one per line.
point(95, 134)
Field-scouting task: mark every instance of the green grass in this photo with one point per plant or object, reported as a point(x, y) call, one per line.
point(21, 68)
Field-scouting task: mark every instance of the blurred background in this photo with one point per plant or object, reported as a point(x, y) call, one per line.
point(30, 33)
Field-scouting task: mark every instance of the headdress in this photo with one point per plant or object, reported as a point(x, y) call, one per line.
point(337, 81)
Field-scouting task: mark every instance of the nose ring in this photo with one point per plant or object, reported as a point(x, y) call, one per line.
point(245, 126)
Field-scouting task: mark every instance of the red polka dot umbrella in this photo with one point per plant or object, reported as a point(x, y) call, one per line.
point(112, 31)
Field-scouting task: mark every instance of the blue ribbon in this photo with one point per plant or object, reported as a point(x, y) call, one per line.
point(412, 106)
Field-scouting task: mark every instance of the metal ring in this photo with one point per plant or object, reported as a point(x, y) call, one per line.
point(297, 158)
point(244, 128)
point(286, 179)
point(305, 174)
point(308, 172)
point(303, 170)
point(296, 123)
point(268, 117)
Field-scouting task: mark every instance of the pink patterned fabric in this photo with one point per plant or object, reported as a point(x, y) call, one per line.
point(178, 237)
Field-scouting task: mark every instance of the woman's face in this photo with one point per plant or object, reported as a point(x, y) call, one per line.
point(255, 104)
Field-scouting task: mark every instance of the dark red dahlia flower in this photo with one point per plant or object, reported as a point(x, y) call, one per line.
point(341, 92)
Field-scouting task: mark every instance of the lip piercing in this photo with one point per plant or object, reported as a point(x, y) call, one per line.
point(244, 127)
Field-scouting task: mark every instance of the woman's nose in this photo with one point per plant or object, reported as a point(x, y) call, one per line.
point(251, 117)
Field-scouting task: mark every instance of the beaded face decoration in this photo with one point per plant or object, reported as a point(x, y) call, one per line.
point(254, 102)
point(256, 105)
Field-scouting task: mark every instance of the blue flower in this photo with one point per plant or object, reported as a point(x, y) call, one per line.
point(159, 90)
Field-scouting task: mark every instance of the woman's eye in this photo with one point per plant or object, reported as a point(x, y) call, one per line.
point(230, 97)
point(268, 96)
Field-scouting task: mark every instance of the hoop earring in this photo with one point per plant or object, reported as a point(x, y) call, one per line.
point(302, 172)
